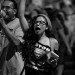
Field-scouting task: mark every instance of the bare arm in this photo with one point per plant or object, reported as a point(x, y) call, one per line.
point(23, 21)
point(54, 47)
point(11, 37)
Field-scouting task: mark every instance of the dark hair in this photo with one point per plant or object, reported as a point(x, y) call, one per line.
point(14, 2)
point(14, 5)
point(30, 35)
point(48, 23)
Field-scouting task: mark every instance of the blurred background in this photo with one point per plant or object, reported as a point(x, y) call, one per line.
point(68, 7)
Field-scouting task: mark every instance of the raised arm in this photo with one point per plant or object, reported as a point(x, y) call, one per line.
point(23, 21)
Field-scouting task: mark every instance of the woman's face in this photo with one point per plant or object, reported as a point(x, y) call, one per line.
point(40, 25)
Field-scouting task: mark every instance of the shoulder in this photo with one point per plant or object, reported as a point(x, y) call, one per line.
point(53, 40)
point(17, 22)
point(54, 44)
point(14, 24)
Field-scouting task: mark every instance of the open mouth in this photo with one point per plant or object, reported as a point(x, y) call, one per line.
point(37, 28)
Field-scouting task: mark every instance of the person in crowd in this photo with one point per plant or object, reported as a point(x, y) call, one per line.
point(60, 31)
point(33, 10)
point(70, 24)
point(11, 62)
point(39, 45)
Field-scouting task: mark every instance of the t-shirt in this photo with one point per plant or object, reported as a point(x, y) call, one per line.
point(11, 60)
point(38, 55)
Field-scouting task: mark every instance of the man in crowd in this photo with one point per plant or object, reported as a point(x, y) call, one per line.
point(11, 62)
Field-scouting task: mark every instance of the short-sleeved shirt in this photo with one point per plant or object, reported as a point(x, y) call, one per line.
point(11, 59)
point(41, 53)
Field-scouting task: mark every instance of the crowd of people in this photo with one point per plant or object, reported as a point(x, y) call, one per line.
point(34, 40)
